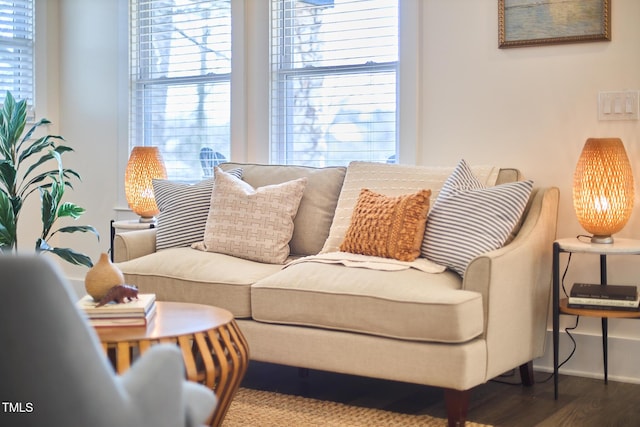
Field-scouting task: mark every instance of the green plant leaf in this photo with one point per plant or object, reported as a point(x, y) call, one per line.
point(53, 174)
point(48, 211)
point(66, 254)
point(7, 222)
point(17, 182)
point(46, 157)
point(5, 149)
point(16, 202)
point(35, 147)
point(27, 136)
point(14, 118)
point(70, 209)
point(80, 228)
point(7, 175)
point(18, 120)
point(38, 145)
point(67, 172)
point(37, 181)
point(73, 257)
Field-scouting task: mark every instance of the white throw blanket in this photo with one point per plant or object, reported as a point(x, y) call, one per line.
point(371, 262)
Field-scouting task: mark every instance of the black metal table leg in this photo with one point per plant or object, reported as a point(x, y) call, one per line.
point(556, 315)
point(605, 323)
point(604, 347)
point(113, 235)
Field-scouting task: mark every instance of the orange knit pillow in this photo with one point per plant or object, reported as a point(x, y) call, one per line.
point(389, 227)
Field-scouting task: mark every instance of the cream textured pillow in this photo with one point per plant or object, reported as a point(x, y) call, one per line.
point(318, 204)
point(389, 227)
point(254, 224)
point(390, 180)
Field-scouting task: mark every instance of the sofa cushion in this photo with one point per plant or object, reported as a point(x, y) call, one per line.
point(468, 219)
point(315, 213)
point(255, 224)
point(390, 180)
point(407, 304)
point(188, 275)
point(389, 227)
point(183, 210)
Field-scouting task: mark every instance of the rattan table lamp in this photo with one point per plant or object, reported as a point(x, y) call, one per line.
point(145, 165)
point(603, 188)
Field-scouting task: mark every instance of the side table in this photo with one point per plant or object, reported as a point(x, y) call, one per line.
point(214, 350)
point(573, 245)
point(127, 225)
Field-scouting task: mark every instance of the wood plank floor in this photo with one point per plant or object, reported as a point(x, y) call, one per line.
point(583, 402)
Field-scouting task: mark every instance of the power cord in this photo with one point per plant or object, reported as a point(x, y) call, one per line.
point(566, 330)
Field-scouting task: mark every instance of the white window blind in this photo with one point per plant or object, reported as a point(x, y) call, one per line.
point(16, 50)
point(334, 81)
point(180, 82)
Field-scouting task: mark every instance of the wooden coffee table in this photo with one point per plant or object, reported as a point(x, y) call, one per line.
point(214, 350)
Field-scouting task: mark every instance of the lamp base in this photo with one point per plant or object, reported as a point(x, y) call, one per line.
point(147, 219)
point(602, 239)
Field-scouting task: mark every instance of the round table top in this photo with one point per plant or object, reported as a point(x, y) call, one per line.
point(619, 246)
point(172, 319)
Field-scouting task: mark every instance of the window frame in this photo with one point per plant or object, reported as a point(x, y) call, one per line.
point(281, 73)
point(251, 86)
point(27, 47)
point(142, 83)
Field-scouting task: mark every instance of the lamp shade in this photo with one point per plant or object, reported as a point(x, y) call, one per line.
point(603, 188)
point(145, 165)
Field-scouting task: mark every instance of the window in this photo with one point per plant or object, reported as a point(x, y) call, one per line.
point(334, 79)
point(180, 82)
point(16, 50)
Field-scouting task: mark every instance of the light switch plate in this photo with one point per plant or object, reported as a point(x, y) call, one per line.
point(619, 105)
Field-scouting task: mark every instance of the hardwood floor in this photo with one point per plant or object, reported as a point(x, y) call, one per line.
point(582, 402)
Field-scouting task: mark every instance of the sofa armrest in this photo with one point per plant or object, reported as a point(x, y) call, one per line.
point(134, 244)
point(515, 282)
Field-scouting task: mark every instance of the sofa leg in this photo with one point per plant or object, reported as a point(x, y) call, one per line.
point(457, 403)
point(526, 374)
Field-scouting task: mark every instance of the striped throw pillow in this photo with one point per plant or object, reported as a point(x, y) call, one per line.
point(183, 210)
point(468, 219)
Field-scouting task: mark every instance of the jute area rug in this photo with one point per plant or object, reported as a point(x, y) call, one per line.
point(257, 408)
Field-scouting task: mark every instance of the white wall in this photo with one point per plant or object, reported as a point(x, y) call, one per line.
point(86, 50)
point(531, 108)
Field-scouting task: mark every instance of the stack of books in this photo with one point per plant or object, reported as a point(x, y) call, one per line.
point(137, 312)
point(607, 297)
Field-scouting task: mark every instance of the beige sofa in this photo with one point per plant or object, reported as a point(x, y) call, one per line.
point(436, 329)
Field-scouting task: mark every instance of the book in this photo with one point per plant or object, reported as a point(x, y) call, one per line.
point(614, 292)
point(134, 308)
point(103, 322)
point(604, 302)
point(603, 307)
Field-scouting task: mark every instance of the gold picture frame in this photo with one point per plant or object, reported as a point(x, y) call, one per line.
point(533, 23)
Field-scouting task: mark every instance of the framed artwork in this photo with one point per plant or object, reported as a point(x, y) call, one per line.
point(535, 22)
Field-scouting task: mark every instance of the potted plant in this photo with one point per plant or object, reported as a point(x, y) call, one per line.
point(28, 166)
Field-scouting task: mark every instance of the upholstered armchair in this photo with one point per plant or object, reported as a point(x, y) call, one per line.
point(54, 372)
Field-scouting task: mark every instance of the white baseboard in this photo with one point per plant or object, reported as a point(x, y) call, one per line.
point(587, 361)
